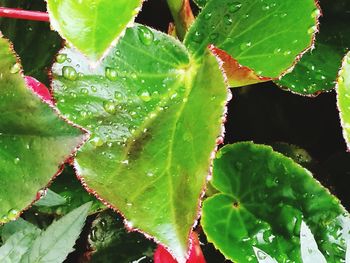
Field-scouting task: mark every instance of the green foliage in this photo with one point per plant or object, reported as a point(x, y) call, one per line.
point(263, 199)
point(145, 117)
point(29, 244)
point(29, 130)
point(261, 35)
point(343, 91)
point(317, 70)
point(91, 26)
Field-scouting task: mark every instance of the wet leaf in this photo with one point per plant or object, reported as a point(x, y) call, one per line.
point(264, 36)
point(29, 131)
point(145, 116)
point(343, 96)
point(92, 26)
point(264, 197)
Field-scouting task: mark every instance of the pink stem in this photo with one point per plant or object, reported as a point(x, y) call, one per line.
point(24, 14)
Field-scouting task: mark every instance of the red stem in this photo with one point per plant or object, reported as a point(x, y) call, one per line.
point(24, 14)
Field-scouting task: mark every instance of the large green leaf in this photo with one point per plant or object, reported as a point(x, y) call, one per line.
point(343, 96)
point(92, 25)
point(264, 196)
point(34, 141)
point(33, 41)
point(265, 36)
point(154, 116)
point(317, 70)
point(57, 241)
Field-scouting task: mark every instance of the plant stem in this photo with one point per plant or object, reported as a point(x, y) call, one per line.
point(182, 14)
point(24, 14)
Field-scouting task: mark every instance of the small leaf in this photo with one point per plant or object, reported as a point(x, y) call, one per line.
point(91, 26)
point(58, 240)
point(13, 227)
point(343, 97)
point(34, 141)
point(144, 107)
point(18, 244)
point(263, 257)
point(264, 36)
point(50, 199)
point(308, 246)
point(264, 197)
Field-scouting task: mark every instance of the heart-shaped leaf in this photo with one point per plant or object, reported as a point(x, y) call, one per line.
point(264, 197)
point(265, 36)
point(343, 96)
point(317, 70)
point(91, 25)
point(154, 116)
point(34, 141)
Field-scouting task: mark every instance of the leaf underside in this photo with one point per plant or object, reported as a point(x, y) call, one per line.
point(264, 196)
point(91, 26)
point(34, 141)
point(265, 36)
point(154, 118)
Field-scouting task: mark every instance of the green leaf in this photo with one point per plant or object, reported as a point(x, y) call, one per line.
point(264, 196)
point(151, 137)
point(18, 244)
point(91, 26)
point(317, 70)
point(110, 240)
point(33, 41)
point(13, 227)
point(265, 36)
point(343, 96)
point(50, 199)
point(34, 141)
point(58, 240)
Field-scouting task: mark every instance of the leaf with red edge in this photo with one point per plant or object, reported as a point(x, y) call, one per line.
point(161, 255)
point(266, 36)
point(40, 89)
point(34, 141)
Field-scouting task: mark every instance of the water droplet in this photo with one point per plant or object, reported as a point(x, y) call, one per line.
point(283, 15)
point(16, 161)
point(61, 58)
point(207, 16)
point(213, 36)
point(15, 68)
point(145, 35)
point(228, 20)
point(197, 36)
point(96, 141)
point(265, 7)
point(234, 7)
point(84, 91)
point(277, 50)
point(312, 30)
point(117, 95)
point(111, 74)
point(69, 73)
point(244, 46)
point(150, 174)
point(261, 255)
point(12, 214)
point(145, 96)
point(316, 13)
point(109, 107)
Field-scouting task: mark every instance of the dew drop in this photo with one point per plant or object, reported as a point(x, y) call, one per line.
point(109, 107)
point(96, 141)
point(145, 35)
point(84, 91)
point(16, 161)
point(312, 30)
point(111, 74)
point(244, 46)
point(61, 58)
point(234, 7)
point(207, 16)
point(316, 13)
point(15, 68)
point(213, 36)
point(228, 20)
point(145, 96)
point(12, 214)
point(69, 73)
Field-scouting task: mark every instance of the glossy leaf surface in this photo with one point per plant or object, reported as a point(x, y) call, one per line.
point(29, 130)
point(264, 196)
point(265, 36)
point(91, 26)
point(317, 70)
point(343, 96)
point(144, 107)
